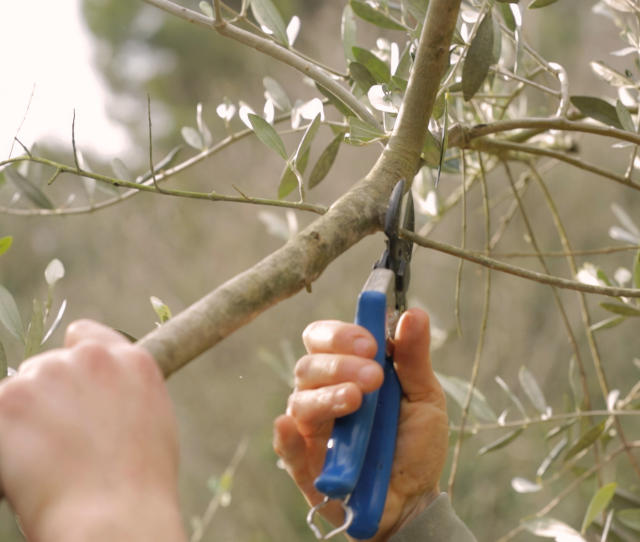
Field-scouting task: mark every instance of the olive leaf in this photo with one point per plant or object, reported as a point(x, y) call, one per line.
point(597, 109)
point(270, 20)
point(479, 58)
point(370, 14)
point(267, 134)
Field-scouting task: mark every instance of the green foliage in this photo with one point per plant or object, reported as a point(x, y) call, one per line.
point(533, 390)
point(501, 442)
point(160, 308)
point(325, 161)
point(495, 78)
point(458, 389)
point(630, 518)
point(267, 134)
point(598, 504)
point(479, 58)
point(585, 440)
point(541, 3)
point(9, 315)
point(28, 189)
point(598, 109)
point(5, 243)
point(269, 17)
point(375, 16)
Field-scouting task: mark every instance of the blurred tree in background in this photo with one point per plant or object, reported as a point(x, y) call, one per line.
point(524, 150)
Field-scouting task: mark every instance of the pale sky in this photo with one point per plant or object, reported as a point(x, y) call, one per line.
point(45, 50)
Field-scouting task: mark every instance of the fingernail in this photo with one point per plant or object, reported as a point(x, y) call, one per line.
point(369, 376)
point(363, 347)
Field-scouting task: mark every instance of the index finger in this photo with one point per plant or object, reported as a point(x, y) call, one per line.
point(335, 337)
point(88, 329)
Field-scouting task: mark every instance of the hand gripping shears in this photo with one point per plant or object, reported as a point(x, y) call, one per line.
point(360, 451)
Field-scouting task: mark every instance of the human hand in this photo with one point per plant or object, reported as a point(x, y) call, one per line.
point(88, 442)
point(329, 383)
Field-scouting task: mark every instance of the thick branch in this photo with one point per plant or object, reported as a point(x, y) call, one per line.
point(431, 60)
point(280, 275)
point(356, 214)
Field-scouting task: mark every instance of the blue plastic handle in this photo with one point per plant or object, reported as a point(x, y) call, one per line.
point(350, 437)
point(368, 498)
point(360, 451)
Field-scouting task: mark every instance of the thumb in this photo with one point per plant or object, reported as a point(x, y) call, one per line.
point(413, 360)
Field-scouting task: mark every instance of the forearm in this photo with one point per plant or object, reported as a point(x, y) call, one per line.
point(146, 519)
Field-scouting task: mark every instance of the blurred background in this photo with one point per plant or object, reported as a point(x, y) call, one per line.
point(102, 58)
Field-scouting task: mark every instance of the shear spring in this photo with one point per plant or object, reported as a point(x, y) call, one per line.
point(348, 518)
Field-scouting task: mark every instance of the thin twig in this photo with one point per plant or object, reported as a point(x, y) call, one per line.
point(564, 254)
point(563, 313)
point(568, 490)
point(475, 370)
point(205, 521)
point(531, 83)
point(24, 147)
point(506, 218)
point(586, 319)
point(210, 196)
point(136, 188)
point(53, 177)
point(499, 147)
point(545, 124)
point(24, 118)
point(497, 265)
point(463, 242)
point(218, 13)
point(73, 141)
point(274, 50)
point(556, 297)
point(151, 166)
point(516, 424)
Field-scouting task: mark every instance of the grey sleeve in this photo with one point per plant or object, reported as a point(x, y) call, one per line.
point(438, 523)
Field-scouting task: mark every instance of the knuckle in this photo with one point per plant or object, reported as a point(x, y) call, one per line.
point(296, 406)
point(91, 352)
point(302, 366)
point(15, 396)
point(143, 362)
point(79, 328)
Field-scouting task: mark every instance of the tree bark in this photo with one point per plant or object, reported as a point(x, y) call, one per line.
point(356, 214)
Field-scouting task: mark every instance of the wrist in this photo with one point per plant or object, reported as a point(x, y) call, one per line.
point(147, 518)
point(414, 509)
point(410, 509)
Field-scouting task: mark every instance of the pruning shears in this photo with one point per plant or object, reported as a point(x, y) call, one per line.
point(360, 451)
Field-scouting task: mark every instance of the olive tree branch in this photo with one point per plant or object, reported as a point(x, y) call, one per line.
point(272, 49)
point(151, 187)
point(475, 369)
point(517, 424)
point(564, 254)
point(501, 147)
point(356, 214)
point(497, 265)
point(558, 301)
point(458, 135)
point(586, 319)
point(556, 296)
point(567, 490)
point(160, 176)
